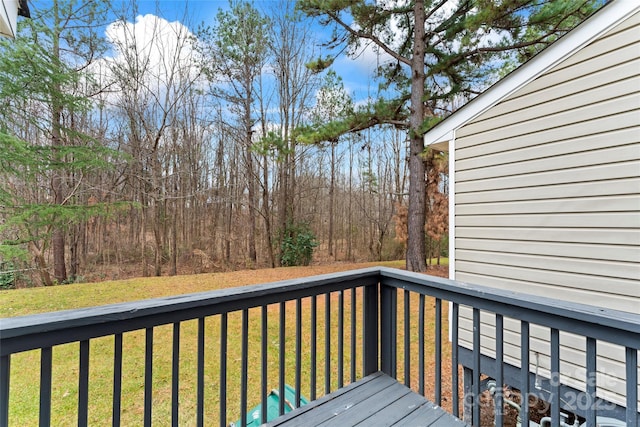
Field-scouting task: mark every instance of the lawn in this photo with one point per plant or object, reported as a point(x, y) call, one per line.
point(25, 367)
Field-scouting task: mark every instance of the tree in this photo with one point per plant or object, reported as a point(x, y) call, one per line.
point(235, 52)
point(155, 73)
point(434, 51)
point(332, 103)
point(437, 200)
point(289, 47)
point(43, 87)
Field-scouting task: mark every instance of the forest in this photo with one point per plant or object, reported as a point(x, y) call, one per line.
point(131, 144)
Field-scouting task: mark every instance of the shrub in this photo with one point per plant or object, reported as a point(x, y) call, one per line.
point(7, 276)
point(297, 245)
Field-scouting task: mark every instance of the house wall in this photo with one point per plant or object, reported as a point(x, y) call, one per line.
point(547, 197)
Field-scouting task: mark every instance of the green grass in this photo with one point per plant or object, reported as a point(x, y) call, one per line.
point(24, 391)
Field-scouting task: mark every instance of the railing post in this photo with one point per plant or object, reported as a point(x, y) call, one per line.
point(388, 330)
point(370, 329)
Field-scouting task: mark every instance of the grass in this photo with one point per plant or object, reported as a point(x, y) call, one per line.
point(24, 390)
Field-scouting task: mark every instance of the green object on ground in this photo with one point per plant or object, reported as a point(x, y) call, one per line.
point(254, 416)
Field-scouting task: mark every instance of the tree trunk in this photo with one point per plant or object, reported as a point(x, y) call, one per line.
point(157, 237)
point(251, 194)
point(417, 187)
point(74, 252)
point(332, 184)
point(57, 243)
point(59, 265)
point(143, 239)
point(38, 257)
point(233, 182)
point(350, 205)
point(57, 238)
point(174, 241)
point(267, 213)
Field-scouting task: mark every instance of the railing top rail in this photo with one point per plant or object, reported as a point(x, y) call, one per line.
point(615, 326)
point(34, 331)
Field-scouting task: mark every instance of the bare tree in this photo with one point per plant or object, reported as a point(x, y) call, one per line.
point(235, 52)
point(290, 50)
point(153, 78)
point(332, 103)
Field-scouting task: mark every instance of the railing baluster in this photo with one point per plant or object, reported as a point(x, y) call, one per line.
point(631, 359)
point(341, 339)
point(314, 341)
point(498, 397)
point(455, 397)
point(5, 375)
point(175, 375)
point(388, 330)
point(421, 345)
point(45, 386)
point(263, 369)
point(524, 371)
point(200, 375)
point(475, 386)
point(555, 376)
point(223, 369)
point(117, 380)
point(370, 329)
point(83, 384)
point(591, 381)
point(244, 367)
point(407, 339)
point(394, 332)
point(327, 343)
point(438, 335)
point(148, 376)
point(298, 350)
point(281, 359)
point(353, 334)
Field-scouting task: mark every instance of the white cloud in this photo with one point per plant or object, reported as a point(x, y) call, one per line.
point(155, 53)
point(153, 36)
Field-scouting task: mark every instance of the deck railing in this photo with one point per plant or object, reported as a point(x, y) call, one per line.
point(316, 334)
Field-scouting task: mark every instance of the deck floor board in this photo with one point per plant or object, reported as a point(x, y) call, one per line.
point(374, 400)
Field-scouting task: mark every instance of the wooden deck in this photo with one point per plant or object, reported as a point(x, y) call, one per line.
point(376, 400)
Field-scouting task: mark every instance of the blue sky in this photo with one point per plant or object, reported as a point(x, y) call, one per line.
point(355, 73)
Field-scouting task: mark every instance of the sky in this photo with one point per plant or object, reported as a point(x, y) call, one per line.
point(355, 72)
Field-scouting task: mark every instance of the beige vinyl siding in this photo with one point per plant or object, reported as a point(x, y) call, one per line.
point(600, 63)
point(547, 198)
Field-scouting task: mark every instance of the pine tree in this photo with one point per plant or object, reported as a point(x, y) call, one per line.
point(41, 76)
point(435, 52)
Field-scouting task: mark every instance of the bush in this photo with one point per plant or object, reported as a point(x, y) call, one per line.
point(7, 276)
point(392, 250)
point(297, 245)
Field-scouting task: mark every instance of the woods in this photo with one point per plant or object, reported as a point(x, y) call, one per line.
point(131, 144)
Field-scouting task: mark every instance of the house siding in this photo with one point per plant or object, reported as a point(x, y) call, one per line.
point(547, 196)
